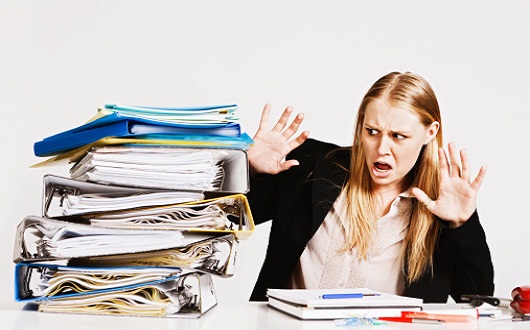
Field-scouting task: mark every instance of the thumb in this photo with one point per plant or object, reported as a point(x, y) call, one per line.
point(288, 164)
point(422, 197)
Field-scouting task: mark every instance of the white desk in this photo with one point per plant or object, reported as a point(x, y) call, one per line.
point(234, 316)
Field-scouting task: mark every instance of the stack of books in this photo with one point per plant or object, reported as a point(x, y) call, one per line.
point(154, 206)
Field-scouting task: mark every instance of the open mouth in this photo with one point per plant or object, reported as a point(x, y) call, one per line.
point(382, 167)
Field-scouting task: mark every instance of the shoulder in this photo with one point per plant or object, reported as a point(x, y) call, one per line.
point(322, 159)
point(312, 148)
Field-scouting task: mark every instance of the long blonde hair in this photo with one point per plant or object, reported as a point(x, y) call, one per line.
point(411, 91)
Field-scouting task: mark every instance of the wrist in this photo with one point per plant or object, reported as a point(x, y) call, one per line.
point(455, 223)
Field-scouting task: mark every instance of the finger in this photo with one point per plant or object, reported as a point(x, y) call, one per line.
point(453, 156)
point(264, 120)
point(299, 140)
point(444, 163)
point(283, 119)
point(479, 179)
point(423, 198)
point(466, 168)
point(293, 128)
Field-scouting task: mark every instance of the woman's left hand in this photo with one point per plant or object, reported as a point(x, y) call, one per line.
point(457, 195)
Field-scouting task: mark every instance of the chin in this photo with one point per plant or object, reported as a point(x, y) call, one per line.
point(380, 181)
point(383, 181)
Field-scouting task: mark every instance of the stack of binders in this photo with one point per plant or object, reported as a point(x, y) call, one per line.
point(154, 206)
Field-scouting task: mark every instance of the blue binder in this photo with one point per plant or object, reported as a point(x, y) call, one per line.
point(115, 125)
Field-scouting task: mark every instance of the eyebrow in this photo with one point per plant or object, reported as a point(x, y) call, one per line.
point(400, 132)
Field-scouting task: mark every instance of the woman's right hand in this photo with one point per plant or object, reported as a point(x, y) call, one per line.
point(267, 155)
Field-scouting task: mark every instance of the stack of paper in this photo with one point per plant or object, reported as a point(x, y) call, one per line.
point(153, 206)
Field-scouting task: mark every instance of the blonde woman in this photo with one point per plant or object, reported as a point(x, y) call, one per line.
point(394, 212)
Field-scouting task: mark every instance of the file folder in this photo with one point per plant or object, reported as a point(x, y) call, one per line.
point(226, 214)
point(137, 121)
point(40, 239)
point(226, 110)
point(123, 128)
point(169, 140)
point(231, 166)
point(40, 281)
point(179, 295)
point(158, 167)
point(215, 255)
point(65, 196)
point(239, 220)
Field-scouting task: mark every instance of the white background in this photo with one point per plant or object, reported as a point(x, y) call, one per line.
point(59, 60)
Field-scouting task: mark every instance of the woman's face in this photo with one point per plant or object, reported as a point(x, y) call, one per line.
point(393, 137)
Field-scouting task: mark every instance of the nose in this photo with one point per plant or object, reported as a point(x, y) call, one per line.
point(383, 146)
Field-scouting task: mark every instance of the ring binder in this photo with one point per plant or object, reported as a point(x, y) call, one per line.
point(145, 291)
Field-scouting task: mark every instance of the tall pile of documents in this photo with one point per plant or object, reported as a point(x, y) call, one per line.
point(154, 206)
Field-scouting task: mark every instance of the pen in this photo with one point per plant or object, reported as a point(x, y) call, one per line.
point(410, 320)
point(443, 317)
point(346, 295)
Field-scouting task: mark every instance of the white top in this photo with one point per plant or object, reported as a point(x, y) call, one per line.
point(323, 266)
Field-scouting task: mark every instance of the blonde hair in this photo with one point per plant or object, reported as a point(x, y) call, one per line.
point(411, 91)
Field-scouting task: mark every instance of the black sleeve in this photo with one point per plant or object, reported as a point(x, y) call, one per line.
point(461, 265)
point(471, 258)
point(268, 192)
point(261, 197)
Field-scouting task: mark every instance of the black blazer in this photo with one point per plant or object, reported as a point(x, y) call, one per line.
point(297, 200)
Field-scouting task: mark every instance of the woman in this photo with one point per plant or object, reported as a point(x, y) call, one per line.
point(393, 212)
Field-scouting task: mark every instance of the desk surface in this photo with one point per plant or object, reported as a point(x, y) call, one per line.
point(234, 316)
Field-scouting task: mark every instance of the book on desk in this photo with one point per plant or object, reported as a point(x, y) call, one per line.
point(328, 304)
point(341, 303)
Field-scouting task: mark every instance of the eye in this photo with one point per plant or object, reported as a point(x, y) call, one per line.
point(371, 131)
point(398, 136)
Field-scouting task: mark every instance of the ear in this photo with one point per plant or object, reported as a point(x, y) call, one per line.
point(431, 132)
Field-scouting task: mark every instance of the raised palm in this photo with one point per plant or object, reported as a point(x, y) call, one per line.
point(267, 155)
point(458, 194)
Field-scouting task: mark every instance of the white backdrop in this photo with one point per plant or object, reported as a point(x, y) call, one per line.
point(59, 60)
